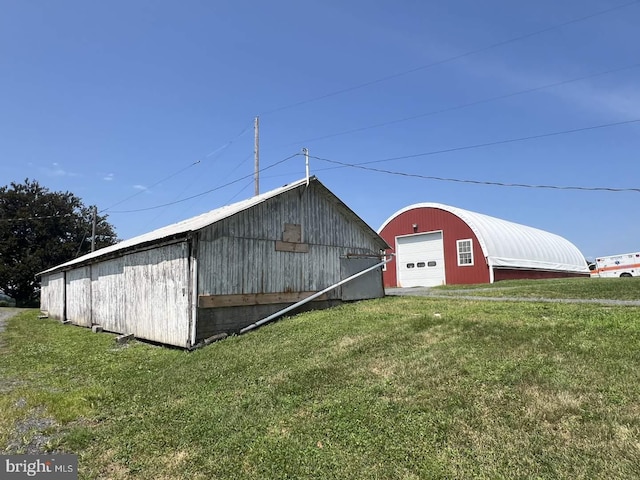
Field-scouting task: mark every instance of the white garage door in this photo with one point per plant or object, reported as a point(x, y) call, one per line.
point(420, 260)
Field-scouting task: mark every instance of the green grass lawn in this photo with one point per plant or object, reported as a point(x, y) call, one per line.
point(576, 288)
point(396, 388)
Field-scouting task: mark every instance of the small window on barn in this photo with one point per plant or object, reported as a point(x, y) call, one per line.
point(431, 263)
point(411, 265)
point(465, 253)
point(421, 264)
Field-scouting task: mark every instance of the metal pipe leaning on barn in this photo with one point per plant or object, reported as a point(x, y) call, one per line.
point(315, 295)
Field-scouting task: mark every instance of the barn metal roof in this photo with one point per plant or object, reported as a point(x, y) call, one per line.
point(193, 224)
point(512, 245)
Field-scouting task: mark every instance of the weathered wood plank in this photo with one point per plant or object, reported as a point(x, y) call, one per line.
point(216, 301)
point(292, 233)
point(292, 247)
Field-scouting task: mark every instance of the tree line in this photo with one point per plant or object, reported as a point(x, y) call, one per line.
point(40, 229)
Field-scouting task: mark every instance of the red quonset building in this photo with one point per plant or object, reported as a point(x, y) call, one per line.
point(435, 244)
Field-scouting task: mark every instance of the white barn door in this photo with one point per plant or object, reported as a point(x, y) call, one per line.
point(420, 260)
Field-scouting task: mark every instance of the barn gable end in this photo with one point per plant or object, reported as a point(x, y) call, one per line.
point(300, 245)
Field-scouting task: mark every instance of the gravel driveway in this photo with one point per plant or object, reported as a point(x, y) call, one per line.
point(467, 295)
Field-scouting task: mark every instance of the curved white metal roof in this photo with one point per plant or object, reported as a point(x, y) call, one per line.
point(509, 244)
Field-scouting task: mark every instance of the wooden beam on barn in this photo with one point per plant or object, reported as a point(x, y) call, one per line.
point(217, 301)
point(291, 247)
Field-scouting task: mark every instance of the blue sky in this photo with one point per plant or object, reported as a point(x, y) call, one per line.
point(135, 104)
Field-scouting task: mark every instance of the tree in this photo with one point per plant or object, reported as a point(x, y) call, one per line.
point(40, 229)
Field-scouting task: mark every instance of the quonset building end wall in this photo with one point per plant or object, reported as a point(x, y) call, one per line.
point(436, 244)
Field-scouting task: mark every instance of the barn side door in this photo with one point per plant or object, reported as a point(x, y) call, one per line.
point(364, 287)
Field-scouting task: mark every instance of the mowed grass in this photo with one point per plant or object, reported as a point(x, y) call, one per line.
point(405, 388)
point(573, 288)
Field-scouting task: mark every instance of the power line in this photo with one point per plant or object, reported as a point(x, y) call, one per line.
point(480, 182)
point(36, 218)
point(230, 142)
point(424, 154)
point(464, 105)
point(153, 185)
point(486, 144)
point(208, 191)
point(452, 58)
point(247, 185)
point(158, 214)
point(219, 149)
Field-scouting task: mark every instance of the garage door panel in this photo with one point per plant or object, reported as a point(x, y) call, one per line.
point(420, 260)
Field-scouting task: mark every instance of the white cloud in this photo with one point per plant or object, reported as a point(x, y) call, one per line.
point(56, 170)
point(142, 188)
point(108, 177)
point(623, 99)
point(620, 101)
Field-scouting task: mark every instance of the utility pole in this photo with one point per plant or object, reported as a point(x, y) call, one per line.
point(256, 155)
point(93, 228)
point(305, 151)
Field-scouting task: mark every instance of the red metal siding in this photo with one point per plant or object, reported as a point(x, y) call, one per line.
point(429, 220)
point(516, 274)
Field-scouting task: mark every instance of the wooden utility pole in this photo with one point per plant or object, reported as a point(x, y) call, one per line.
point(305, 151)
point(93, 228)
point(256, 156)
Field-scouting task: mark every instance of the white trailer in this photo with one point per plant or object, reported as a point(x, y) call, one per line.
point(623, 265)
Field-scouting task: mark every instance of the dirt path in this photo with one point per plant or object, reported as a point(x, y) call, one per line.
point(5, 314)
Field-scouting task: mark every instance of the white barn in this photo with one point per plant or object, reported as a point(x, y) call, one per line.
point(223, 270)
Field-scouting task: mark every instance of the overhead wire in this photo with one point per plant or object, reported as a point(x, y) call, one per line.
point(247, 185)
point(363, 165)
point(489, 144)
point(452, 58)
point(503, 184)
point(44, 217)
point(190, 184)
point(396, 75)
point(151, 186)
point(219, 149)
point(464, 105)
point(20, 219)
point(393, 76)
point(208, 191)
point(478, 182)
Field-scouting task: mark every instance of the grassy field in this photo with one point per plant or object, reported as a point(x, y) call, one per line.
point(576, 288)
point(396, 388)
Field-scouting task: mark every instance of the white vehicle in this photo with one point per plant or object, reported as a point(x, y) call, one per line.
point(624, 265)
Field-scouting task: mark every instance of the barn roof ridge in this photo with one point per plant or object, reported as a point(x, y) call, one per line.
point(192, 224)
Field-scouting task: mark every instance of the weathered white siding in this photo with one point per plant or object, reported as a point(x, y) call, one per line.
point(237, 255)
point(237, 266)
point(157, 294)
point(78, 296)
point(108, 290)
point(144, 293)
point(52, 295)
